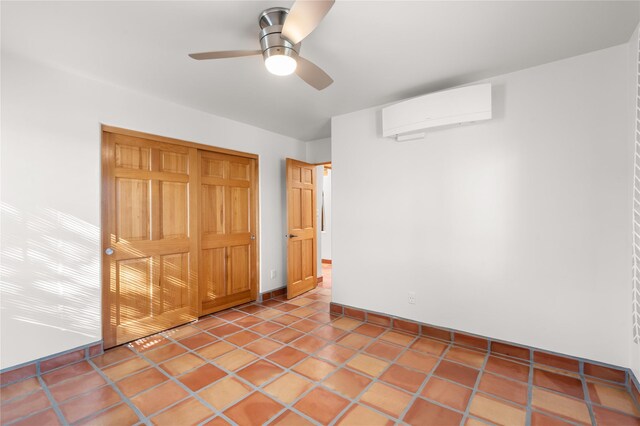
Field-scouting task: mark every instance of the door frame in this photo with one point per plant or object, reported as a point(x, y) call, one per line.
point(105, 206)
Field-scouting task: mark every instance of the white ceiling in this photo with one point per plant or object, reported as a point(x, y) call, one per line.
point(376, 51)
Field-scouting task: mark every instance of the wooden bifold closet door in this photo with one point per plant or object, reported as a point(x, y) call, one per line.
point(179, 225)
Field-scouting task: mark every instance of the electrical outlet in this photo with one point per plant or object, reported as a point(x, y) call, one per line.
point(273, 274)
point(412, 298)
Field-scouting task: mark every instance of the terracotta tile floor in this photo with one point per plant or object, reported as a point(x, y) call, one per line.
point(297, 365)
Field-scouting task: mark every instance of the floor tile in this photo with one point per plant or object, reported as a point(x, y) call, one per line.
point(305, 325)
point(347, 324)
point(303, 312)
point(121, 414)
point(322, 317)
point(606, 417)
point(354, 341)
point(235, 360)
point(429, 346)
point(188, 412)
point(76, 386)
point(384, 350)
point(314, 368)
point(208, 323)
point(347, 383)
point(215, 350)
point(149, 343)
point(182, 332)
point(231, 315)
point(141, 381)
point(287, 356)
point(23, 387)
point(563, 406)
point(308, 343)
point(263, 346)
point(328, 332)
point(386, 399)
point(165, 352)
point(288, 387)
point(370, 330)
point(268, 314)
point(217, 421)
point(201, 377)
point(118, 371)
point(504, 388)
point(87, 404)
point(224, 330)
point(286, 335)
point(417, 361)
point(182, 364)
point(541, 419)
point(470, 357)
point(359, 415)
point(248, 321)
point(158, 398)
point(336, 354)
point(69, 372)
point(289, 418)
point(613, 397)
point(426, 413)
point(558, 382)
point(223, 393)
point(404, 378)
point(286, 307)
point(286, 319)
point(112, 356)
point(510, 369)
point(397, 338)
point(24, 405)
point(256, 409)
point(266, 328)
point(243, 338)
point(321, 405)
point(368, 365)
point(496, 411)
point(447, 393)
point(259, 372)
point(43, 418)
point(458, 373)
point(197, 340)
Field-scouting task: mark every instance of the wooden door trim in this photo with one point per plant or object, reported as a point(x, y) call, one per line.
point(107, 165)
point(164, 139)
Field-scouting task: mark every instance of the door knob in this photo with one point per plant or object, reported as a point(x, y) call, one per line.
point(108, 251)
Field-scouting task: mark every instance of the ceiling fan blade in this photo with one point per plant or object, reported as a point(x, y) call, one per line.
point(303, 18)
point(312, 74)
point(225, 54)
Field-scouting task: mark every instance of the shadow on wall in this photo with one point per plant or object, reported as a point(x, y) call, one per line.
point(50, 272)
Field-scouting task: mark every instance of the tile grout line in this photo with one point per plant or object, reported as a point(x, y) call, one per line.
point(474, 391)
point(529, 391)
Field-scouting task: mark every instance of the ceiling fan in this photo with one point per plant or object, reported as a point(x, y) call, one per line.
point(282, 31)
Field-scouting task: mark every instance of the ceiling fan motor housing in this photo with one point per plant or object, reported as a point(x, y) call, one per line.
point(271, 40)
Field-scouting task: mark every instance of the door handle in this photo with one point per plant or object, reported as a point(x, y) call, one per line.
point(292, 236)
point(108, 251)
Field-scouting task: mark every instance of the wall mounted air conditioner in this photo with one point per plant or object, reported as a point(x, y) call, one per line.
point(407, 120)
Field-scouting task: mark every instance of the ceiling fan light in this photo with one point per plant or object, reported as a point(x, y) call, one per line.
point(280, 64)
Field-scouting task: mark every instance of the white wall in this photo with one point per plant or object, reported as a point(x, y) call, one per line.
point(319, 151)
point(51, 197)
point(325, 235)
point(517, 228)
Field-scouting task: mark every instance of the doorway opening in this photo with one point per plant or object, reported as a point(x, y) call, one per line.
point(324, 230)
